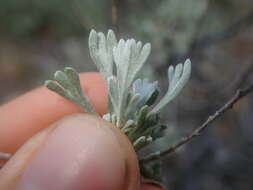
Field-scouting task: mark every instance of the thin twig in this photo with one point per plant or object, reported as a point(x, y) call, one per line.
point(197, 132)
point(115, 14)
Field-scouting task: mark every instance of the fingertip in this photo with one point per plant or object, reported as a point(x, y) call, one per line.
point(80, 153)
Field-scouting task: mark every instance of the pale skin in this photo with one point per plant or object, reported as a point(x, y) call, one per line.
point(56, 147)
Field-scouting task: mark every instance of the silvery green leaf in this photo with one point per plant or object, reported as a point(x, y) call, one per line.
point(177, 77)
point(141, 142)
point(132, 105)
point(128, 126)
point(138, 59)
point(113, 93)
point(101, 51)
point(67, 84)
point(111, 42)
point(126, 130)
point(107, 117)
point(152, 98)
point(145, 89)
point(63, 80)
point(52, 85)
point(155, 131)
point(69, 90)
point(141, 118)
point(114, 119)
point(129, 56)
point(122, 53)
point(74, 79)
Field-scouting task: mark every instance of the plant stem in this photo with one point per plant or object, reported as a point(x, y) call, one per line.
point(240, 93)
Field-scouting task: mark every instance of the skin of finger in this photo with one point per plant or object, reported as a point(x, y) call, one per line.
point(26, 115)
point(129, 180)
point(12, 170)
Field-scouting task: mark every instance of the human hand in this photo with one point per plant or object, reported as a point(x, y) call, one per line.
point(56, 152)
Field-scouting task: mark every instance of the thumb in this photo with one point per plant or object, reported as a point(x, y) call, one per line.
point(78, 152)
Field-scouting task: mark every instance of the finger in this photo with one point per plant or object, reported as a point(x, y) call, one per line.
point(79, 152)
point(28, 114)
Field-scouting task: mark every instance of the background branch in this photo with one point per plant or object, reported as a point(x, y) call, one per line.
point(238, 95)
point(115, 14)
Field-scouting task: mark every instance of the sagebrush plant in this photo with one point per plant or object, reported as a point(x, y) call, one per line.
point(132, 102)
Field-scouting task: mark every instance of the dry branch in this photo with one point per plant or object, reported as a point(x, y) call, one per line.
point(238, 95)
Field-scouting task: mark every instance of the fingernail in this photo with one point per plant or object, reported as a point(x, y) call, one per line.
point(78, 154)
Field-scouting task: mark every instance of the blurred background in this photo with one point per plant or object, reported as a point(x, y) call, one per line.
point(38, 37)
